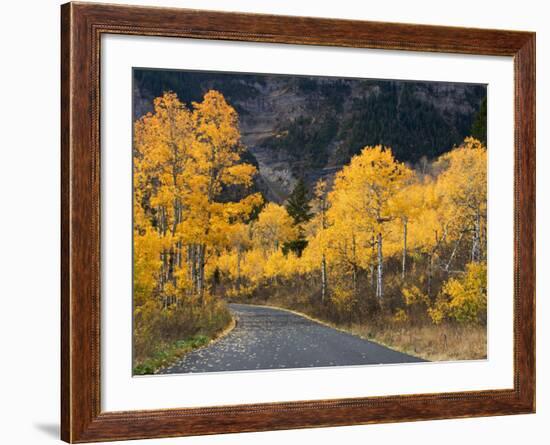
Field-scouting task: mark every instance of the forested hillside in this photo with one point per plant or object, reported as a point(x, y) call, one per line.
point(309, 127)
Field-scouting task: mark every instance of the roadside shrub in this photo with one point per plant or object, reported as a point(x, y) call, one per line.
point(463, 299)
point(155, 325)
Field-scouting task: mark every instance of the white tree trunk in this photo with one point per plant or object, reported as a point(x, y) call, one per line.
point(323, 278)
point(453, 253)
point(193, 267)
point(430, 273)
point(380, 270)
point(200, 272)
point(404, 263)
point(354, 256)
point(372, 275)
point(239, 254)
point(476, 240)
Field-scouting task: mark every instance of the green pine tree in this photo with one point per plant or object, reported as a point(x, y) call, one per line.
point(299, 209)
point(479, 127)
point(297, 204)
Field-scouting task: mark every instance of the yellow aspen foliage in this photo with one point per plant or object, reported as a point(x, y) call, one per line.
point(363, 195)
point(183, 158)
point(362, 201)
point(342, 298)
point(273, 228)
point(370, 181)
point(146, 265)
point(413, 295)
point(253, 266)
point(400, 316)
point(463, 187)
point(464, 298)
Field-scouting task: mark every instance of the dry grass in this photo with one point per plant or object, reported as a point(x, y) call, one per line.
point(166, 354)
point(428, 341)
point(161, 334)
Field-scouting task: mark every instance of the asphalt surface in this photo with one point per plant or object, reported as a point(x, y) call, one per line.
point(269, 338)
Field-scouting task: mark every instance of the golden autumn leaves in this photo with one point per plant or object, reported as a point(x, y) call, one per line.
point(183, 159)
point(380, 209)
point(188, 238)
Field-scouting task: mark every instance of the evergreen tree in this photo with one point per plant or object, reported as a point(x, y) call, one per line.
point(479, 127)
point(298, 208)
point(297, 205)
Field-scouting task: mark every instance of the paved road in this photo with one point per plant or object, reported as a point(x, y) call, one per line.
point(268, 338)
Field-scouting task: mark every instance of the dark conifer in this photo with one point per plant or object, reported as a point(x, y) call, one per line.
point(479, 127)
point(298, 207)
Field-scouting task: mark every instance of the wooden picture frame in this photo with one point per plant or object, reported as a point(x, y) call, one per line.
point(82, 25)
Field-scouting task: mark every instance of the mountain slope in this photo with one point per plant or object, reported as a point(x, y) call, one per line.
point(296, 126)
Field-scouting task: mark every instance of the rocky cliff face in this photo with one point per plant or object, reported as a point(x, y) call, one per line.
point(310, 126)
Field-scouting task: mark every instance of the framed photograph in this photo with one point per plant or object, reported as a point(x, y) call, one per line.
point(274, 222)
